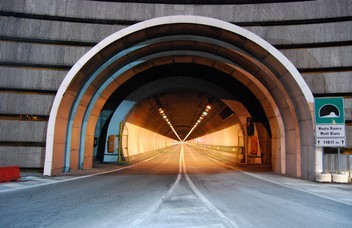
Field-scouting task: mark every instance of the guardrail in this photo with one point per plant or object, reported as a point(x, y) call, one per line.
point(226, 154)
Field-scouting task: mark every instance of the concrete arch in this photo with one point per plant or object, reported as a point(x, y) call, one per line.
point(273, 79)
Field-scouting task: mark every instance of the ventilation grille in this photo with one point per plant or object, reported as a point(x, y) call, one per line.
point(226, 113)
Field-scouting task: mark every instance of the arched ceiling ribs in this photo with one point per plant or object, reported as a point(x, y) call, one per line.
point(145, 47)
point(138, 48)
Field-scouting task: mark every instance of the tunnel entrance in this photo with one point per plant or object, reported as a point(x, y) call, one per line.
point(218, 60)
point(183, 91)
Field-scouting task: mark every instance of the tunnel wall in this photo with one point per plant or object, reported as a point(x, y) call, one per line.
point(227, 137)
point(115, 123)
point(141, 140)
point(41, 40)
point(228, 143)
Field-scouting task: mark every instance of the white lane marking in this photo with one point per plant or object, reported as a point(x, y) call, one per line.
point(201, 196)
point(187, 197)
point(299, 189)
point(209, 226)
point(155, 206)
point(184, 210)
point(168, 194)
point(77, 178)
point(278, 183)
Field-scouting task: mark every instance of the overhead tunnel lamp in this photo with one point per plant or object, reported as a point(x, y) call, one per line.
point(201, 117)
point(162, 113)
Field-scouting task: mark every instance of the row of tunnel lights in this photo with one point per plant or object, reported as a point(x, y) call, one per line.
point(201, 117)
point(162, 112)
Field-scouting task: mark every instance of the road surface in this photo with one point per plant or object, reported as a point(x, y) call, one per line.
point(178, 188)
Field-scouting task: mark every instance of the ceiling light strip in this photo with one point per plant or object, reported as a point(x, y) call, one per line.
point(162, 113)
point(200, 119)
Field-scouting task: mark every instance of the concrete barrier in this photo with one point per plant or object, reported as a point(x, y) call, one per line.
point(323, 177)
point(340, 178)
point(10, 173)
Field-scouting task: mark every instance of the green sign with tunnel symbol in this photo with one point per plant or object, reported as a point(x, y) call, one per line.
point(329, 110)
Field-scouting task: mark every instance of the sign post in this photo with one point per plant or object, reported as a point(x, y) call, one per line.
point(330, 124)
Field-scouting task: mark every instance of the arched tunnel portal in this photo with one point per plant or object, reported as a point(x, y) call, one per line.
point(182, 64)
point(182, 91)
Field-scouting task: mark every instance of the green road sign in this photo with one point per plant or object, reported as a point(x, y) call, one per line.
point(329, 110)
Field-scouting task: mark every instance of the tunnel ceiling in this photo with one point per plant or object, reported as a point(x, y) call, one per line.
point(183, 91)
point(182, 108)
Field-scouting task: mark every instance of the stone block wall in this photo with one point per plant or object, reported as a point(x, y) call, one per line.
point(41, 40)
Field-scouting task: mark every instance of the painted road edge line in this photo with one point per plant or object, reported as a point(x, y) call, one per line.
point(278, 183)
point(81, 177)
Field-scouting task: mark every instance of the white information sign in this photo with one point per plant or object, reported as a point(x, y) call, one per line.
point(331, 142)
point(330, 131)
point(330, 122)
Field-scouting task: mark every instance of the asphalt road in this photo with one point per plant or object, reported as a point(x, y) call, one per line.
point(179, 188)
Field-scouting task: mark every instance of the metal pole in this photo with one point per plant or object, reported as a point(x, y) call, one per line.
point(245, 149)
point(338, 161)
point(323, 167)
point(119, 150)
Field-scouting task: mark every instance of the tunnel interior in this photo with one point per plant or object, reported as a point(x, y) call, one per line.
point(172, 83)
point(183, 92)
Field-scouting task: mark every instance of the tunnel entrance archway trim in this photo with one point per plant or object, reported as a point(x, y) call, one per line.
point(64, 93)
point(169, 55)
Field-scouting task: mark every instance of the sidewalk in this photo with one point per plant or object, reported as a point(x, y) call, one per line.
point(33, 178)
point(332, 191)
